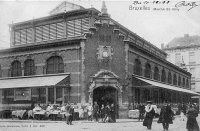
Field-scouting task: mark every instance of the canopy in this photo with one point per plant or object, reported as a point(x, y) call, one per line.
point(166, 86)
point(35, 81)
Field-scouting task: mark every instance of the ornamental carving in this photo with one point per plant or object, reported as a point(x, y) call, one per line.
point(104, 55)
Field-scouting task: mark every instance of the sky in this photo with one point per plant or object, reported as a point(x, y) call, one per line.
point(156, 26)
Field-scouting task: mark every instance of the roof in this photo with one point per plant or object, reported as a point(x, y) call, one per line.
point(185, 41)
point(166, 86)
point(35, 81)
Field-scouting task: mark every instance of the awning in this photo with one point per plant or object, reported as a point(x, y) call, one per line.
point(35, 81)
point(170, 87)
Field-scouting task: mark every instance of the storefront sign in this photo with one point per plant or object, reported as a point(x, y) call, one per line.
point(22, 94)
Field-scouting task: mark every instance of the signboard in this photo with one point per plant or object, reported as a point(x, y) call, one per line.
point(22, 94)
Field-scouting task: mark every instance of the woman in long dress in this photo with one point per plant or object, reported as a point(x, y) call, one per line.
point(149, 114)
point(192, 124)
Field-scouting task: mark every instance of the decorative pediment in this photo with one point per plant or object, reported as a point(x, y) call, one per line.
point(105, 74)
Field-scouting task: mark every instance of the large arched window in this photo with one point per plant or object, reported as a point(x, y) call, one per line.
point(16, 69)
point(29, 67)
point(156, 73)
point(147, 70)
point(55, 65)
point(179, 81)
point(174, 79)
point(169, 78)
point(138, 67)
point(163, 76)
point(183, 82)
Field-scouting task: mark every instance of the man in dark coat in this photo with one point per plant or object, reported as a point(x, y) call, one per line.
point(166, 115)
point(107, 114)
point(141, 112)
point(192, 124)
point(70, 117)
point(96, 111)
point(112, 112)
point(150, 112)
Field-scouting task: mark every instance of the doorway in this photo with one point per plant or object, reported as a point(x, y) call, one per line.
point(106, 95)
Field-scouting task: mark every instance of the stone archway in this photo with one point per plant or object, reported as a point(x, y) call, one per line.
point(105, 79)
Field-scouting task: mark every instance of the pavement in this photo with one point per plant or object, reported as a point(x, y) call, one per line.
point(83, 125)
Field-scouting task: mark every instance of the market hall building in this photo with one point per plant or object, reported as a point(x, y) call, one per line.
point(82, 56)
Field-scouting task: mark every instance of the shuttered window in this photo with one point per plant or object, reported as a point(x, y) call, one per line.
point(23, 36)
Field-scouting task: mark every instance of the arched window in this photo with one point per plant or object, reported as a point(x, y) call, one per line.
point(183, 82)
point(138, 67)
point(16, 69)
point(174, 79)
point(163, 76)
point(179, 81)
point(55, 65)
point(147, 70)
point(156, 73)
point(169, 78)
point(29, 67)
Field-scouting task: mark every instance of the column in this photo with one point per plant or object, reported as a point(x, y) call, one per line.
point(63, 95)
point(54, 94)
point(47, 95)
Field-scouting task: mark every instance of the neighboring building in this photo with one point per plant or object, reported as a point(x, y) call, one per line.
point(184, 52)
point(83, 56)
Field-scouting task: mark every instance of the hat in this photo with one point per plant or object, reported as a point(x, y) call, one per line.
point(149, 102)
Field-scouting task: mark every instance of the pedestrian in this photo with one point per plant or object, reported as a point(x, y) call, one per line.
point(70, 116)
point(112, 113)
point(102, 112)
point(192, 124)
point(141, 112)
point(90, 109)
point(166, 116)
point(96, 111)
point(149, 114)
point(107, 117)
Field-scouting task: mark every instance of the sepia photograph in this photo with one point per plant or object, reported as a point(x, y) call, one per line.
point(99, 65)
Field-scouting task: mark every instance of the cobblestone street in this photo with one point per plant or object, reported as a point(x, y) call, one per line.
point(121, 125)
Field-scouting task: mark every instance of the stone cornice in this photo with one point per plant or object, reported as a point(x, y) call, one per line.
point(36, 49)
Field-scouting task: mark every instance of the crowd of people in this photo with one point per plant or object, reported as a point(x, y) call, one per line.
point(166, 115)
point(70, 112)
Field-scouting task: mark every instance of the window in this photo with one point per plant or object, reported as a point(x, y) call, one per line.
point(77, 27)
point(156, 73)
point(29, 67)
point(0, 71)
point(23, 36)
point(191, 58)
point(16, 69)
point(174, 79)
point(187, 83)
point(148, 70)
point(179, 81)
point(163, 76)
point(183, 82)
point(169, 78)
point(137, 67)
point(177, 59)
point(55, 65)
point(192, 71)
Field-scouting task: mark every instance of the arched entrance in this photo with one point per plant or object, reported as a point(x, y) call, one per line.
point(105, 88)
point(106, 95)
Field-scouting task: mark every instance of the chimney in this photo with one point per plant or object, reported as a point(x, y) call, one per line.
point(162, 46)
